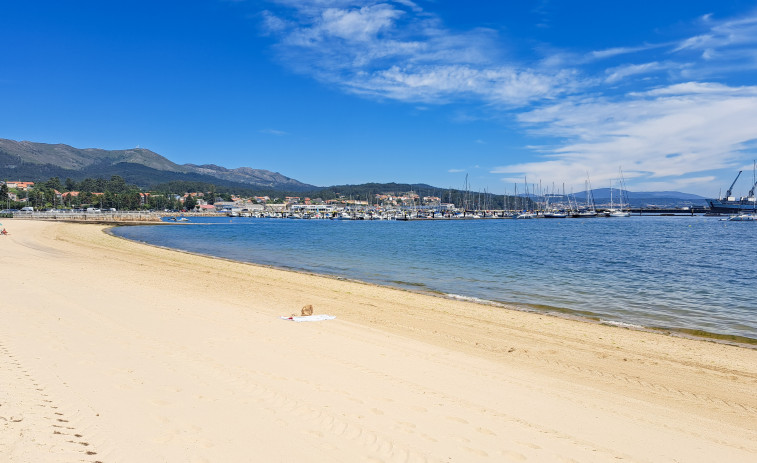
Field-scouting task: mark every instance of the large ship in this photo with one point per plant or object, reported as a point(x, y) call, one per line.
point(730, 204)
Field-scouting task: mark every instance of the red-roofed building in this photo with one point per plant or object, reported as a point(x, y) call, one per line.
point(20, 185)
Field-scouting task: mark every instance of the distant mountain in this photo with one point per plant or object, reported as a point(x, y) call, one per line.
point(365, 190)
point(605, 193)
point(68, 157)
point(258, 177)
point(142, 167)
point(644, 198)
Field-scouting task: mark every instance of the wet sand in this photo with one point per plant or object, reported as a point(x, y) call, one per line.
point(116, 351)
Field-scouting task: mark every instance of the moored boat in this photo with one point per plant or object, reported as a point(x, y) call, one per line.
point(730, 204)
point(742, 218)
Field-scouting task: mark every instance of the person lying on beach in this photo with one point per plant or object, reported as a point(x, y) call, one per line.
point(4, 232)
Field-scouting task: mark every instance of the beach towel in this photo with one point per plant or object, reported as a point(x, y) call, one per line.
point(310, 318)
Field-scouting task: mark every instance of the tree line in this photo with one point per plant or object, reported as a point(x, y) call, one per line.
point(118, 194)
point(90, 192)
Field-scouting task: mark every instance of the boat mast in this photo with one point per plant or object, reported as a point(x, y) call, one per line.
point(612, 206)
point(622, 188)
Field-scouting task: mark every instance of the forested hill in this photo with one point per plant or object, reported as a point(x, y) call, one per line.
point(40, 161)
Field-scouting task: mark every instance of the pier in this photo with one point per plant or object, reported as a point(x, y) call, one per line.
point(669, 211)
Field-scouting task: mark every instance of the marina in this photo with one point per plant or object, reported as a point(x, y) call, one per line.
point(399, 214)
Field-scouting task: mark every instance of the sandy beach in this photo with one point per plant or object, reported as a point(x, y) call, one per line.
point(115, 351)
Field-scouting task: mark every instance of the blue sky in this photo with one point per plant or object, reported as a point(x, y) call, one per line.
point(338, 91)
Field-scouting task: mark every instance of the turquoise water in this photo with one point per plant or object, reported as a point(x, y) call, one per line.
point(694, 273)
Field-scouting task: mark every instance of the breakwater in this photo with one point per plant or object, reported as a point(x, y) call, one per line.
point(92, 217)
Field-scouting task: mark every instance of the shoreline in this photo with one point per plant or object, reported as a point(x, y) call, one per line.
point(554, 311)
point(111, 350)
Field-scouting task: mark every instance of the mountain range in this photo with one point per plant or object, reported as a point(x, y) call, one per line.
point(142, 167)
point(30, 161)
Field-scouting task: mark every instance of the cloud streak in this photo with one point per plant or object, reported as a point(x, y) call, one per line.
point(398, 51)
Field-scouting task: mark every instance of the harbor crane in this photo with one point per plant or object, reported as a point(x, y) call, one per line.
point(754, 178)
point(728, 193)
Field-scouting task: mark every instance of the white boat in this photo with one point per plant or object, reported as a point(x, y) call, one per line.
point(742, 218)
point(619, 214)
point(526, 215)
point(584, 214)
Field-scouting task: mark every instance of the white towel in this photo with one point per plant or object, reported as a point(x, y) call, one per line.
point(310, 318)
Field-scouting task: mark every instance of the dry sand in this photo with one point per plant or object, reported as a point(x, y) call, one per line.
point(116, 351)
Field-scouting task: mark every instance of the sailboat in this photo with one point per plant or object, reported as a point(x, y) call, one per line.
point(618, 212)
point(588, 211)
point(526, 214)
point(553, 212)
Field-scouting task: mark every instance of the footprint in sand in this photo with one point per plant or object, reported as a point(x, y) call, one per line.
point(530, 445)
point(486, 431)
point(478, 452)
point(429, 438)
point(459, 420)
point(405, 427)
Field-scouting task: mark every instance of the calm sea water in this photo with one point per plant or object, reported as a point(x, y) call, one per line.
point(671, 272)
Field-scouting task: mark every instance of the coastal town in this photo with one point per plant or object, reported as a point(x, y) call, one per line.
point(115, 196)
point(25, 196)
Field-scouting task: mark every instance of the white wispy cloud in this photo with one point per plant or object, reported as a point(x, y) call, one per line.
point(398, 51)
point(669, 133)
point(737, 32)
point(621, 72)
point(443, 83)
point(617, 51)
